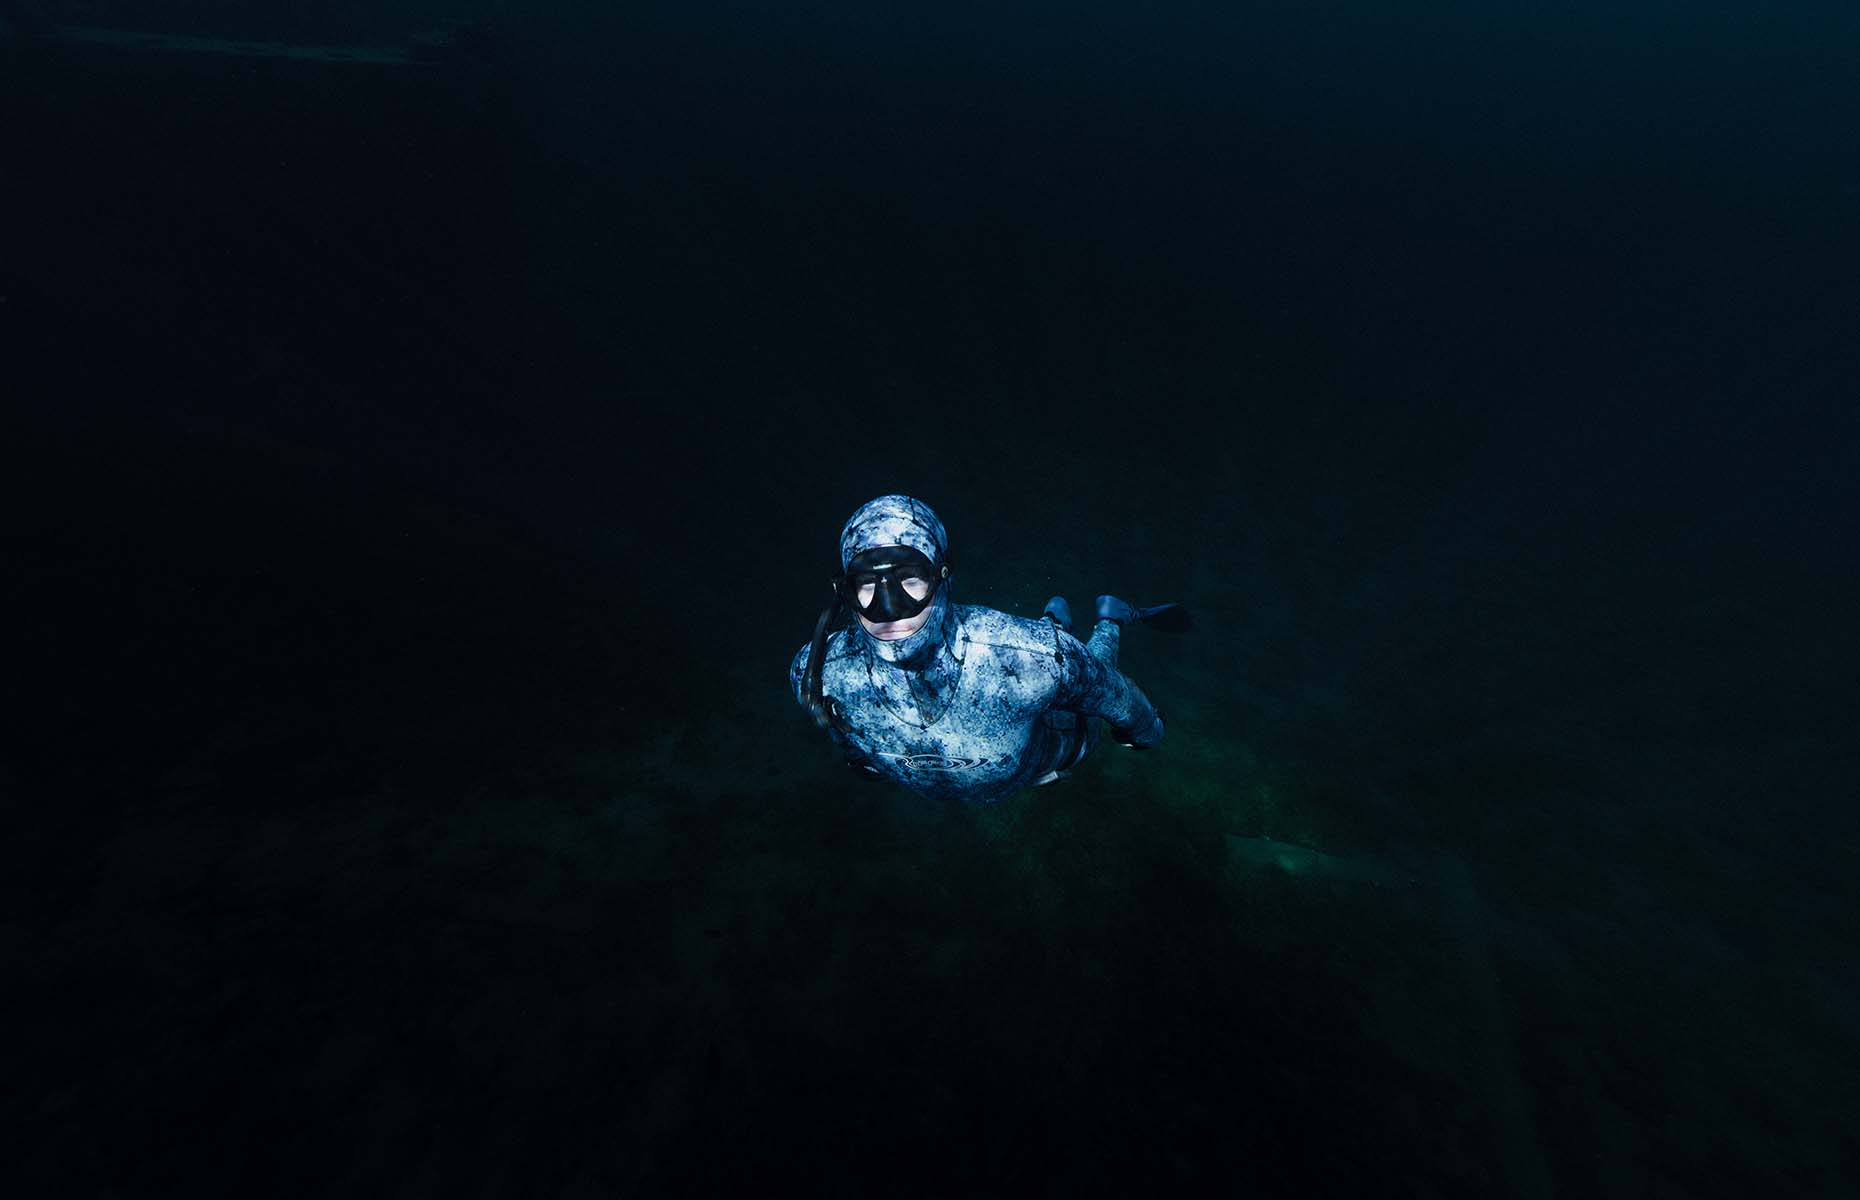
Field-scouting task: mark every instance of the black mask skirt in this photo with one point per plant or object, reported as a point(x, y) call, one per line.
point(887, 568)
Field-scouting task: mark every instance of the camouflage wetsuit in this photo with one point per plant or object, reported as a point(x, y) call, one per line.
point(977, 704)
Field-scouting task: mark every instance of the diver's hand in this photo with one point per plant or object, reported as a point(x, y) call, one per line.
point(1141, 739)
point(819, 710)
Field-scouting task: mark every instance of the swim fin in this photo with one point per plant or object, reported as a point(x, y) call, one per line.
point(1059, 613)
point(1169, 618)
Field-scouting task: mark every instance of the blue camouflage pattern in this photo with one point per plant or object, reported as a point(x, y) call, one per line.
point(976, 705)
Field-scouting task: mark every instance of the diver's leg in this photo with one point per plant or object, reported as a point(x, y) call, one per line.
point(1067, 732)
point(1075, 735)
point(1103, 646)
point(1105, 635)
point(1091, 728)
point(1079, 732)
point(1105, 638)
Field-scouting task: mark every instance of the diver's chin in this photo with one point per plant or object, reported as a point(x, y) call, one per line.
point(890, 633)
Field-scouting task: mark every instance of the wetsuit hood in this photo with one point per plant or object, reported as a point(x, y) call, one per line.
point(897, 520)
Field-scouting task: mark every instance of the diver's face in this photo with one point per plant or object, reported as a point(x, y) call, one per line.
point(893, 631)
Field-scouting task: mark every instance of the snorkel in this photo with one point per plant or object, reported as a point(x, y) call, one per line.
point(825, 711)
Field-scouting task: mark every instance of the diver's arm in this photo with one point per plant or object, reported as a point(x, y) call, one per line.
point(1096, 690)
point(797, 682)
point(797, 675)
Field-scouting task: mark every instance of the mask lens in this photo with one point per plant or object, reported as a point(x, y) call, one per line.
point(889, 583)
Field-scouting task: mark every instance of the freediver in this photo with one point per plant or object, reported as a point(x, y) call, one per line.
point(958, 701)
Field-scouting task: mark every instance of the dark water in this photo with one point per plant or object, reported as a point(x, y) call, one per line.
point(422, 475)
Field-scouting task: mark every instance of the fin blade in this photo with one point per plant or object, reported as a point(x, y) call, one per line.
point(1168, 618)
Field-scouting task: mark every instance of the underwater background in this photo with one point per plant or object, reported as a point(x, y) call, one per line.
point(429, 428)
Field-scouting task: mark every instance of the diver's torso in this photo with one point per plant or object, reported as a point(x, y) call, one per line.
point(977, 734)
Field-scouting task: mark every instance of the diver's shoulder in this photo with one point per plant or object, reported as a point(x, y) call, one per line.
point(993, 627)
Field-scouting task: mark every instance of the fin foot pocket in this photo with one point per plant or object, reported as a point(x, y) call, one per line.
point(1169, 618)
